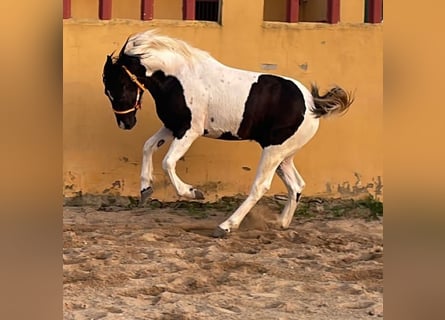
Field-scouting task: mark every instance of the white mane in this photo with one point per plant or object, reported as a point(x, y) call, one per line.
point(157, 52)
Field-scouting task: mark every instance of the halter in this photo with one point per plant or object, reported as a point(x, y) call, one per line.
point(141, 88)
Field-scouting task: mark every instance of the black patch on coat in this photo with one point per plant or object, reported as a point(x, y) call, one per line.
point(273, 111)
point(160, 142)
point(170, 103)
point(206, 131)
point(167, 92)
point(228, 136)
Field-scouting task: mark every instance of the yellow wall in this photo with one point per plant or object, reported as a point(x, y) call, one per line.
point(99, 157)
point(315, 10)
point(84, 9)
point(126, 9)
point(167, 9)
point(352, 11)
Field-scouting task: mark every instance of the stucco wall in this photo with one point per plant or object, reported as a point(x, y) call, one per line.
point(101, 158)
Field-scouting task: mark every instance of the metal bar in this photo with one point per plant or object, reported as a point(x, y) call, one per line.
point(105, 9)
point(293, 10)
point(374, 11)
point(188, 9)
point(66, 9)
point(147, 10)
point(333, 11)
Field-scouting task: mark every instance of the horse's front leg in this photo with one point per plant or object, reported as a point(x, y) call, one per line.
point(161, 137)
point(177, 149)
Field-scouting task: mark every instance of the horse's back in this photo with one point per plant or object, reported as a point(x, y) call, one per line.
point(247, 105)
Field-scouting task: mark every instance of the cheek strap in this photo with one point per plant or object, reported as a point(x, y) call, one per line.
point(141, 88)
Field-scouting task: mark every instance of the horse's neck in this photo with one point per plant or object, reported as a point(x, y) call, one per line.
point(197, 70)
point(211, 70)
point(202, 71)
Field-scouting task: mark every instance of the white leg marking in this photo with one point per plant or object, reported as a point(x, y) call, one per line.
point(270, 159)
point(294, 184)
point(177, 149)
point(161, 137)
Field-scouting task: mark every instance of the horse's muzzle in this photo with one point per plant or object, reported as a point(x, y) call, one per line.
point(126, 125)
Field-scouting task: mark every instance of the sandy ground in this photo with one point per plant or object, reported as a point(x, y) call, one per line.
point(160, 263)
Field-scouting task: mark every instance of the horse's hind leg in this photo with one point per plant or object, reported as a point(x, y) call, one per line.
point(270, 159)
point(177, 149)
point(294, 184)
point(161, 137)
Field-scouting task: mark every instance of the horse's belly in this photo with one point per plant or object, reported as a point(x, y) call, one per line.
point(226, 109)
point(224, 120)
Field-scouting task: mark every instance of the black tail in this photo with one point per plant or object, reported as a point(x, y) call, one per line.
point(335, 101)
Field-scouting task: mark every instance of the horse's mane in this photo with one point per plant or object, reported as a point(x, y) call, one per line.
point(158, 52)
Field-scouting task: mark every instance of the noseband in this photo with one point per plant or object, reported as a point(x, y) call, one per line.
point(141, 88)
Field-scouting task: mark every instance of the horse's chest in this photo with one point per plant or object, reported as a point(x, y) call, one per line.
point(171, 106)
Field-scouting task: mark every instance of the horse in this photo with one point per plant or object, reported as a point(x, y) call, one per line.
point(196, 96)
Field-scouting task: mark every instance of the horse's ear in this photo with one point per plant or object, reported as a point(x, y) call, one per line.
point(109, 61)
point(123, 48)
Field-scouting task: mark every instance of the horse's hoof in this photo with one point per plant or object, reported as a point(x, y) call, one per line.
point(145, 194)
point(220, 233)
point(198, 194)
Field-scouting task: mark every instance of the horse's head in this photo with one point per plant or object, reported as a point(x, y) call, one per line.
point(122, 80)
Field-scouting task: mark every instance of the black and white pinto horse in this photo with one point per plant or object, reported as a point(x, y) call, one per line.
point(195, 95)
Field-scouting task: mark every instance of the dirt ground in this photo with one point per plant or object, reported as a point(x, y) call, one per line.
point(159, 262)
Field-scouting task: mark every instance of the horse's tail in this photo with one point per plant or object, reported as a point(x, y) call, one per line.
point(335, 101)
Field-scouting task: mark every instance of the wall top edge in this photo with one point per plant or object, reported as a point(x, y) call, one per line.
point(317, 25)
point(211, 24)
point(154, 22)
